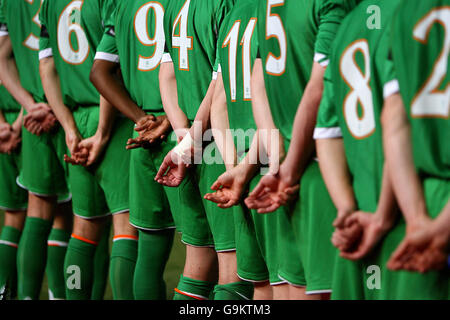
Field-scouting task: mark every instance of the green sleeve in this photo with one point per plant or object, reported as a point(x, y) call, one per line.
point(330, 14)
point(222, 10)
point(44, 39)
point(108, 8)
point(327, 125)
point(2, 14)
point(385, 64)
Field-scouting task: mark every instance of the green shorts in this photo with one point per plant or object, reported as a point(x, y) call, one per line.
point(313, 227)
point(221, 221)
point(370, 279)
point(154, 207)
point(102, 188)
point(44, 172)
point(256, 248)
point(12, 197)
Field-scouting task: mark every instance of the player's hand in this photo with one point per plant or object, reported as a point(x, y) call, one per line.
point(172, 171)
point(423, 249)
point(5, 131)
point(94, 147)
point(78, 156)
point(228, 188)
point(39, 119)
point(369, 229)
point(9, 138)
point(273, 191)
point(151, 130)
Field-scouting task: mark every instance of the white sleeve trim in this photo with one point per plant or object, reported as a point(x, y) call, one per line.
point(166, 58)
point(107, 56)
point(214, 75)
point(45, 53)
point(319, 58)
point(327, 133)
point(219, 68)
point(391, 88)
point(3, 33)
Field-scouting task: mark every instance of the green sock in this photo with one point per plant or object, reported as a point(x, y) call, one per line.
point(153, 253)
point(9, 241)
point(79, 267)
point(191, 289)
point(121, 268)
point(241, 290)
point(31, 257)
point(101, 265)
point(56, 252)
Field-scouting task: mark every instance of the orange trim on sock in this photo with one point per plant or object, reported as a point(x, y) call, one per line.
point(84, 239)
point(188, 295)
point(125, 236)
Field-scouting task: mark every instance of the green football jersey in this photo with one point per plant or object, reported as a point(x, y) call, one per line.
point(353, 96)
point(421, 38)
point(19, 19)
point(140, 48)
point(191, 29)
point(292, 35)
point(71, 32)
point(238, 48)
point(7, 102)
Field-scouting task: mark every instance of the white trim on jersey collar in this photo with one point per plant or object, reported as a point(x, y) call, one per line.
point(45, 53)
point(107, 57)
point(327, 133)
point(390, 88)
point(166, 58)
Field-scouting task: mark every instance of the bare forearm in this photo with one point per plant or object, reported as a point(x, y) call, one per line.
point(106, 119)
point(52, 89)
point(103, 76)
point(302, 143)
point(202, 118)
point(169, 97)
point(398, 152)
point(335, 172)
point(387, 206)
point(10, 76)
point(220, 125)
point(17, 125)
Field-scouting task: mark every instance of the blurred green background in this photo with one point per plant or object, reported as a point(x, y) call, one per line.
point(173, 269)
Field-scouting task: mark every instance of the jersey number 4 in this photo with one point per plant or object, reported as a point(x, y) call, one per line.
point(181, 40)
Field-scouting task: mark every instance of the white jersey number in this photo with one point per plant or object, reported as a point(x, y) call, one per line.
point(429, 101)
point(181, 40)
point(274, 29)
point(141, 30)
point(68, 23)
point(32, 41)
point(232, 41)
point(360, 126)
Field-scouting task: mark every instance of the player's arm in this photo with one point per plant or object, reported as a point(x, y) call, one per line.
point(221, 125)
point(399, 159)
point(10, 76)
point(302, 144)
point(169, 97)
point(104, 77)
point(52, 88)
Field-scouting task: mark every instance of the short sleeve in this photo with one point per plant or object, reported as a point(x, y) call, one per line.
point(107, 49)
point(108, 8)
point(330, 16)
point(327, 126)
point(385, 65)
point(45, 49)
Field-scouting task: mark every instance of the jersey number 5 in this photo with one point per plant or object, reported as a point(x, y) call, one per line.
point(274, 29)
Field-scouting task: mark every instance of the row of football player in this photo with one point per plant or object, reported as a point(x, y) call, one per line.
point(233, 250)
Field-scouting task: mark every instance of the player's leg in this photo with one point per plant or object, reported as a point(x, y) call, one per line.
point(58, 241)
point(101, 263)
point(43, 175)
point(263, 291)
point(222, 225)
point(13, 200)
point(123, 257)
point(313, 226)
point(9, 241)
